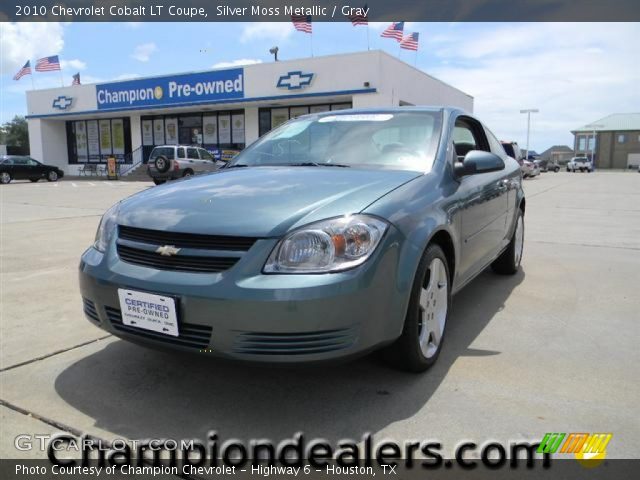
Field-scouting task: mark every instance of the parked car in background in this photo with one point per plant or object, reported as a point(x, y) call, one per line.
point(547, 166)
point(327, 238)
point(529, 169)
point(21, 167)
point(168, 162)
point(513, 150)
point(582, 164)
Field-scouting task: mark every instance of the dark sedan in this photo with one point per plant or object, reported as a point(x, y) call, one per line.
point(331, 236)
point(18, 167)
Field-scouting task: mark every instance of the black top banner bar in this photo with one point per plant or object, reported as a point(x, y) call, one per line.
point(320, 10)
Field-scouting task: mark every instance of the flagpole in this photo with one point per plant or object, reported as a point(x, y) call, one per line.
point(61, 75)
point(33, 85)
point(311, 44)
point(368, 35)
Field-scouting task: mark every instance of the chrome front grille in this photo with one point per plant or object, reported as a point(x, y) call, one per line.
point(185, 240)
point(196, 253)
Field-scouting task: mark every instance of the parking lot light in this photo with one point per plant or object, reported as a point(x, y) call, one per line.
point(528, 111)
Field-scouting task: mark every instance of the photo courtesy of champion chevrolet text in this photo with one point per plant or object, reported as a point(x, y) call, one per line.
point(319, 239)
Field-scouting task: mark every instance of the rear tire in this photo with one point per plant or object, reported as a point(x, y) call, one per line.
point(422, 337)
point(34, 180)
point(5, 178)
point(188, 173)
point(157, 181)
point(508, 262)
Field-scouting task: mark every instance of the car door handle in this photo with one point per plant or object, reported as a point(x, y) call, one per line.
point(503, 184)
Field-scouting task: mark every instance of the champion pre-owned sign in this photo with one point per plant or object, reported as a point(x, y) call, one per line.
point(172, 90)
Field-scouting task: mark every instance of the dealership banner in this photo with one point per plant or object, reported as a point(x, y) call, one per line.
point(170, 90)
point(323, 11)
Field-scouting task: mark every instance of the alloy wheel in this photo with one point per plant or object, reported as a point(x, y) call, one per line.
point(433, 308)
point(518, 241)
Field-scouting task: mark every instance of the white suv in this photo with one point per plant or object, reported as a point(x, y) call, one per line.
point(582, 164)
point(168, 162)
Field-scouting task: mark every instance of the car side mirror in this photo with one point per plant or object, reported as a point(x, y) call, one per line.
point(478, 161)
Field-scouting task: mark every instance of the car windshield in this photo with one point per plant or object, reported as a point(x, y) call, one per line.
point(165, 151)
point(398, 140)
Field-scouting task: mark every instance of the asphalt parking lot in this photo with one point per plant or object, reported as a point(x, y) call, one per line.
point(551, 349)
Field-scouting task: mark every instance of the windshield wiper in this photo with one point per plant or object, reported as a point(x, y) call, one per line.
point(316, 164)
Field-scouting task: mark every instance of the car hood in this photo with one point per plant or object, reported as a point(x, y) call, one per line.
point(260, 201)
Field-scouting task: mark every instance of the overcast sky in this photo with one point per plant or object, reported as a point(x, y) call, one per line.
point(574, 73)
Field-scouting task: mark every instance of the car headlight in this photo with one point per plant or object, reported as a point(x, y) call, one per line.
point(106, 228)
point(327, 246)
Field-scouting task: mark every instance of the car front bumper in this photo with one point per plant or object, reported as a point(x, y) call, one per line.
point(244, 315)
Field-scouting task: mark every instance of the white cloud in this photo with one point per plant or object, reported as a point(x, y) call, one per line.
point(573, 73)
point(127, 76)
point(272, 31)
point(28, 41)
point(73, 64)
point(236, 63)
point(143, 52)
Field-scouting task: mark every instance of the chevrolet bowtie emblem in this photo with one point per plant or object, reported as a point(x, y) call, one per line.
point(295, 80)
point(62, 102)
point(167, 250)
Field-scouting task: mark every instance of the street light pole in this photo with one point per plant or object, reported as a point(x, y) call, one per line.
point(528, 111)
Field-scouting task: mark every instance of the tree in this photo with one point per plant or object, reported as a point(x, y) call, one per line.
point(15, 133)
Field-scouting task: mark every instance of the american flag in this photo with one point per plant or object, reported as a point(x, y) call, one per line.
point(302, 23)
point(394, 31)
point(76, 79)
point(26, 70)
point(359, 19)
point(410, 42)
point(48, 64)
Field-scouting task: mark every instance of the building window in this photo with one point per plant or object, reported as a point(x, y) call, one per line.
point(221, 133)
point(270, 118)
point(622, 138)
point(582, 143)
point(94, 141)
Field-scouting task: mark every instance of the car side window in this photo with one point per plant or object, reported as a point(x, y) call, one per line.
point(204, 155)
point(180, 152)
point(19, 161)
point(468, 135)
point(192, 153)
point(494, 143)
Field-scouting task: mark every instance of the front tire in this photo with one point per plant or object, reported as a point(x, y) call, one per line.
point(52, 176)
point(157, 181)
point(508, 262)
point(418, 347)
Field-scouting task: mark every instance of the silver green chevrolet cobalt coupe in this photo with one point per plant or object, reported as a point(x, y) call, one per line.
point(331, 236)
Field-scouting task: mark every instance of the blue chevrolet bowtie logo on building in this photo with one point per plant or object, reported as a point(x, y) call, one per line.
point(295, 80)
point(62, 102)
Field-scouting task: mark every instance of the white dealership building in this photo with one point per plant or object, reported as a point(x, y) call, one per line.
point(222, 110)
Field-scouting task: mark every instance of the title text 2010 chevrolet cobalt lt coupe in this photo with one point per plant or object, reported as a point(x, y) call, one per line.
point(333, 235)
